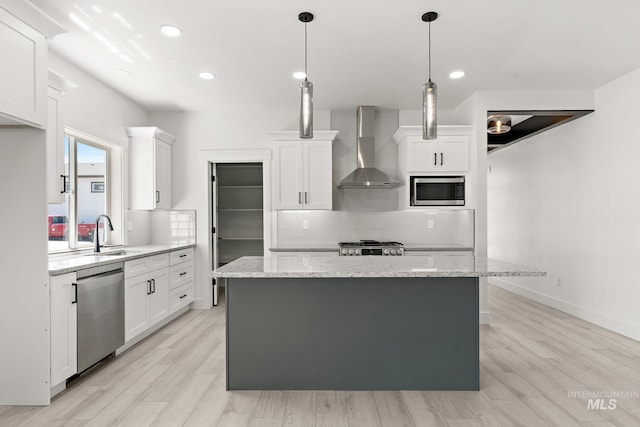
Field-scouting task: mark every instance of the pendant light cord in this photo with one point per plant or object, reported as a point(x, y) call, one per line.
point(429, 51)
point(305, 51)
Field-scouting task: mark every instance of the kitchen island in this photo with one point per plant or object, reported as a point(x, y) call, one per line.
point(355, 323)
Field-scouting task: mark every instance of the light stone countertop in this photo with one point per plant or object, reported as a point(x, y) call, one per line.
point(309, 266)
point(68, 263)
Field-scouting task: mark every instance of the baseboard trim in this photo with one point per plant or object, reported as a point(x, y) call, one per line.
point(615, 325)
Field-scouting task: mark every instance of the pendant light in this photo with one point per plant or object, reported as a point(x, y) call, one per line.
point(306, 88)
point(429, 93)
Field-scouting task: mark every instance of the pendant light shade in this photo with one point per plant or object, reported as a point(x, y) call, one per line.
point(429, 93)
point(429, 104)
point(306, 88)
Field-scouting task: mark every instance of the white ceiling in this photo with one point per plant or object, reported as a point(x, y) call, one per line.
point(360, 52)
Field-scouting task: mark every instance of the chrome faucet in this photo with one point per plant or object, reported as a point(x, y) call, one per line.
point(96, 248)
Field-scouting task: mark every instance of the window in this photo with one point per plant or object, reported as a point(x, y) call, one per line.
point(89, 173)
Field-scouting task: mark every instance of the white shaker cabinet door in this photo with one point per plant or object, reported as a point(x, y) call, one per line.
point(287, 183)
point(454, 153)
point(23, 86)
point(317, 179)
point(163, 174)
point(136, 290)
point(158, 299)
point(55, 147)
point(64, 317)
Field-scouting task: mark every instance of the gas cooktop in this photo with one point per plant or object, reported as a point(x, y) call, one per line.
point(370, 247)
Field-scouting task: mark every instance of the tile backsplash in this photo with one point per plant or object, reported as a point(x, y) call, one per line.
point(160, 227)
point(412, 228)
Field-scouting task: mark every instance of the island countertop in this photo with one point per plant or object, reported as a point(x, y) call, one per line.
point(310, 266)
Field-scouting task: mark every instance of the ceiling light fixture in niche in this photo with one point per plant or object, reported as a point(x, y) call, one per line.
point(498, 124)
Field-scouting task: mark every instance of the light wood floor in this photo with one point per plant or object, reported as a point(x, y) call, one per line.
point(531, 357)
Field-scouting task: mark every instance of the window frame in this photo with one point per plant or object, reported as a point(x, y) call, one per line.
point(113, 192)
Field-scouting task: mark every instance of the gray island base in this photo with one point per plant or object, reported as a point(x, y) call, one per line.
point(354, 324)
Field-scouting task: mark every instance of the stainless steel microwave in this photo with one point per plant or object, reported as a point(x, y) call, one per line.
point(437, 190)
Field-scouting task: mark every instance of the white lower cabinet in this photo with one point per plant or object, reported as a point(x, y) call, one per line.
point(146, 293)
point(181, 273)
point(63, 327)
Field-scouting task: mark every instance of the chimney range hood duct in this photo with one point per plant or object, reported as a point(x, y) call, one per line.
point(366, 175)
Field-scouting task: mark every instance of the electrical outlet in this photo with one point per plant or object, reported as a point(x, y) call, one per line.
point(305, 224)
point(559, 282)
point(429, 223)
point(129, 225)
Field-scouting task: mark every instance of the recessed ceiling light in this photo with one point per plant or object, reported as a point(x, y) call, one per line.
point(206, 76)
point(170, 31)
point(121, 71)
point(458, 74)
point(300, 75)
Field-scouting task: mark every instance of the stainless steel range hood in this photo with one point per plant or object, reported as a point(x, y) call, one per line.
point(366, 175)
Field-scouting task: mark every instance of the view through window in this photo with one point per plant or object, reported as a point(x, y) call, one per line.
point(72, 223)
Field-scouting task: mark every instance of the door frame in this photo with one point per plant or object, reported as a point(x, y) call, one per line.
point(210, 157)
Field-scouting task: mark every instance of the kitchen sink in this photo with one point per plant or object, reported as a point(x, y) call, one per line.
point(110, 253)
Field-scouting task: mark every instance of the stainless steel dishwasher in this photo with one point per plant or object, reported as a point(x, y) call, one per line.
point(100, 298)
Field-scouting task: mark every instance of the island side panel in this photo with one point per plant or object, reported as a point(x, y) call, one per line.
point(352, 333)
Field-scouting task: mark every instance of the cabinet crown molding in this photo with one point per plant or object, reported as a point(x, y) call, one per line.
point(318, 135)
point(411, 131)
point(151, 132)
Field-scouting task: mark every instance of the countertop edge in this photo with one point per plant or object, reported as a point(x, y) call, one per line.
point(406, 248)
point(310, 275)
point(140, 253)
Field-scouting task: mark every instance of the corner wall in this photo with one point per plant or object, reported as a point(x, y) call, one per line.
point(566, 202)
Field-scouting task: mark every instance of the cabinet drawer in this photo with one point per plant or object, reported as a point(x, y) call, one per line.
point(181, 256)
point(144, 265)
point(181, 297)
point(181, 274)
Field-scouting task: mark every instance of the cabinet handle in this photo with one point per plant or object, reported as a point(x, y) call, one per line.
point(148, 287)
point(153, 282)
point(64, 184)
point(183, 273)
point(441, 159)
point(299, 197)
point(182, 296)
point(75, 293)
point(183, 255)
point(306, 198)
point(157, 196)
point(435, 159)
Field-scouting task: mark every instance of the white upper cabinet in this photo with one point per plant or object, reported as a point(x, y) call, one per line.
point(302, 171)
point(149, 168)
point(448, 153)
point(55, 147)
point(23, 75)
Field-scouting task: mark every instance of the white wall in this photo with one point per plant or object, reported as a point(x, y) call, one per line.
point(95, 108)
point(566, 202)
point(474, 111)
point(198, 133)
